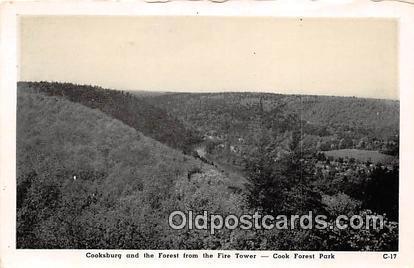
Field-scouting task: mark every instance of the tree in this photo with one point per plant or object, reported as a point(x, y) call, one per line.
point(279, 184)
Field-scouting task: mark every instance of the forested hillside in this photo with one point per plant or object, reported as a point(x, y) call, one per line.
point(135, 112)
point(373, 116)
point(234, 124)
point(85, 180)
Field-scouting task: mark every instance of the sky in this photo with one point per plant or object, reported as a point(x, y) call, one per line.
point(344, 57)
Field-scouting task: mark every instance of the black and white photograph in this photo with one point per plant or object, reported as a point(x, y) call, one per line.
point(207, 133)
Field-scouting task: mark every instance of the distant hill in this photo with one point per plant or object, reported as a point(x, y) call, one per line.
point(145, 93)
point(377, 115)
point(131, 110)
point(86, 180)
point(209, 110)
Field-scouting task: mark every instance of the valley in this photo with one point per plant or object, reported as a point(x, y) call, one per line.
point(138, 156)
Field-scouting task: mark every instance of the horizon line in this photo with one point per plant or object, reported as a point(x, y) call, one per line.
point(207, 92)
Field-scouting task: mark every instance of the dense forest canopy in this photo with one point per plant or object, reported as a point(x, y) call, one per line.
point(86, 180)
